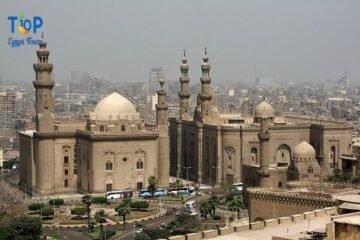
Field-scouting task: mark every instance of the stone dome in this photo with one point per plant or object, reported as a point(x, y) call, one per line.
point(264, 109)
point(113, 106)
point(304, 149)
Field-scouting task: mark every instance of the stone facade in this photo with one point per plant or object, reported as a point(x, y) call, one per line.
point(214, 148)
point(112, 150)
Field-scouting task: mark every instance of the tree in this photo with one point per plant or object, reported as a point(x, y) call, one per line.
point(56, 202)
point(139, 205)
point(22, 228)
point(36, 207)
point(205, 209)
point(100, 218)
point(80, 211)
point(47, 212)
point(235, 205)
point(188, 223)
point(99, 200)
point(152, 185)
point(86, 199)
point(213, 203)
point(142, 236)
point(178, 184)
point(197, 189)
point(123, 209)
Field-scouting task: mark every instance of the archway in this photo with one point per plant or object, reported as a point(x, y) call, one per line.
point(283, 155)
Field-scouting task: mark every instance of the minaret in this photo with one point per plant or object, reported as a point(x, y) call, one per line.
point(264, 137)
point(162, 124)
point(205, 95)
point(43, 87)
point(184, 94)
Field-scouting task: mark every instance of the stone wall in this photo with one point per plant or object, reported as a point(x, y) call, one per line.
point(269, 204)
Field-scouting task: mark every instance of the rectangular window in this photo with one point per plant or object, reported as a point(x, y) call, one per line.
point(66, 183)
point(75, 171)
point(66, 159)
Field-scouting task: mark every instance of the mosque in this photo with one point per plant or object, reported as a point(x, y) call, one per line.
point(114, 149)
point(264, 150)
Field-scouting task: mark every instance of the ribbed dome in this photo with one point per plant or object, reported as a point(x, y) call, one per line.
point(113, 105)
point(264, 109)
point(304, 149)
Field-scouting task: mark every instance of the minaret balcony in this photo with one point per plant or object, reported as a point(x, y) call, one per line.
point(184, 94)
point(205, 96)
point(205, 80)
point(44, 84)
point(48, 67)
point(264, 136)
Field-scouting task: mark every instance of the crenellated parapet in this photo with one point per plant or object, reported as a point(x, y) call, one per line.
point(297, 198)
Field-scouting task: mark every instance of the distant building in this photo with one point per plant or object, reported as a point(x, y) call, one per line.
point(156, 73)
point(7, 109)
point(1, 158)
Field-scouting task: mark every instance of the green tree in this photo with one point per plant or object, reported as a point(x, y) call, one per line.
point(56, 202)
point(47, 212)
point(24, 228)
point(123, 209)
point(205, 209)
point(99, 200)
point(235, 205)
point(86, 199)
point(36, 207)
point(142, 236)
point(138, 205)
point(178, 184)
point(80, 211)
point(152, 185)
point(100, 218)
point(197, 189)
point(213, 203)
point(188, 223)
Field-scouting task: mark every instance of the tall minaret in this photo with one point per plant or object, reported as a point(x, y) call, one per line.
point(205, 95)
point(184, 94)
point(162, 123)
point(264, 137)
point(43, 87)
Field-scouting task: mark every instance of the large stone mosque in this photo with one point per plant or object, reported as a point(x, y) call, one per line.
point(114, 149)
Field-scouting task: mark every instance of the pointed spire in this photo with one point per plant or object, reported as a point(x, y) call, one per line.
point(161, 81)
point(205, 58)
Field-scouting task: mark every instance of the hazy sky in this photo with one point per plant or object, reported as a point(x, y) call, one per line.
point(303, 40)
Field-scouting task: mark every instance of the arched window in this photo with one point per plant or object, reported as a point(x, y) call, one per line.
point(123, 128)
point(108, 166)
point(139, 164)
point(253, 155)
point(66, 172)
point(310, 169)
point(283, 154)
point(333, 162)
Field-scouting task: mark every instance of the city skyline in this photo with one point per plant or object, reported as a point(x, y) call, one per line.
point(285, 41)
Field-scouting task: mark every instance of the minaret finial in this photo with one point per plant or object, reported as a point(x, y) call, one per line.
point(184, 50)
point(42, 36)
point(205, 50)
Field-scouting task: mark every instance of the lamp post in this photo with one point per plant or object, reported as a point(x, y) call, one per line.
point(187, 172)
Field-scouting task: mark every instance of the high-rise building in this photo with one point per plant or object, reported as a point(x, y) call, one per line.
point(7, 109)
point(156, 73)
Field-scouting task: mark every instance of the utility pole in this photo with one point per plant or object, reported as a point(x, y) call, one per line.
point(187, 172)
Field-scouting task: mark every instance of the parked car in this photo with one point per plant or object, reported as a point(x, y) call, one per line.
point(175, 208)
point(178, 213)
point(168, 212)
point(145, 195)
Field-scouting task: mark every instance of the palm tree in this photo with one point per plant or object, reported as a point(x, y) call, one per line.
point(100, 218)
point(235, 205)
point(178, 183)
point(152, 181)
point(123, 209)
point(197, 189)
point(213, 202)
point(86, 199)
point(205, 209)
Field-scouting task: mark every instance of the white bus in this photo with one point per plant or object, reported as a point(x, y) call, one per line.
point(120, 194)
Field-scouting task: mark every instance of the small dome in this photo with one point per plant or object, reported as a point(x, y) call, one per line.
point(264, 109)
point(113, 105)
point(304, 149)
